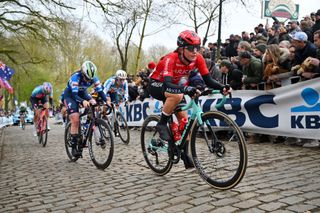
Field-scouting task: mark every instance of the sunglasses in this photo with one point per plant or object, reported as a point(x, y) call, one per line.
point(193, 48)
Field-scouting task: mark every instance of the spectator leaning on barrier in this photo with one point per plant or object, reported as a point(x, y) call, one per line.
point(242, 46)
point(259, 50)
point(230, 75)
point(316, 39)
point(304, 48)
point(276, 61)
point(316, 60)
point(252, 70)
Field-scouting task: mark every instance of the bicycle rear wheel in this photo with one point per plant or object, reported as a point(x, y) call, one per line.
point(155, 150)
point(122, 128)
point(218, 150)
point(101, 144)
point(67, 142)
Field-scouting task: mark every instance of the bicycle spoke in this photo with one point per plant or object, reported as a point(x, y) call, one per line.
point(155, 150)
point(221, 161)
point(101, 145)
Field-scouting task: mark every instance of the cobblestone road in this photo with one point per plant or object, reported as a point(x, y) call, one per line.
point(279, 178)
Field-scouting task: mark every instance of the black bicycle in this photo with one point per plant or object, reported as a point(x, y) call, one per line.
point(117, 123)
point(217, 145)
point(96, 134)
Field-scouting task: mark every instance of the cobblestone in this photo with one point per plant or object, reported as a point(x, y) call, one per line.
point(37, 179)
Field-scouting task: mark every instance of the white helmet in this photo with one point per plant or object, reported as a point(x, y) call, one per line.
point(88, 69)
point(121, 74)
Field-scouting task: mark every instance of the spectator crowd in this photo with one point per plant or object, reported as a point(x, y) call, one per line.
point(269, 57)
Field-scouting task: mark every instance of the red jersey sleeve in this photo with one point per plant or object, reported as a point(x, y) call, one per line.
point(201, 64)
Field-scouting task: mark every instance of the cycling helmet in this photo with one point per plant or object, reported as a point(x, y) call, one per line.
point(188, 37)
point(121, 74)
point(47, 87)
point(88, 69)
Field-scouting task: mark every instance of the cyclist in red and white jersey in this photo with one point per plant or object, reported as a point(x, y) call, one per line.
point(164, 81)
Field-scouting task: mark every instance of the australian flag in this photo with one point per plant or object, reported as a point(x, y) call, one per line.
point(5, 72)
point(5, 75)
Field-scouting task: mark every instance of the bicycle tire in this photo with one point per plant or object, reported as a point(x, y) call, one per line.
point(224, 167)
point(122, 125)
point(101, 161)
point(22, 121)
point(156, 157)
point(44, 131)
point(39, 124)
point(67, 143)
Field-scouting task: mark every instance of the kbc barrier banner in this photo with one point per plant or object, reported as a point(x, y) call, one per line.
point(292, 111)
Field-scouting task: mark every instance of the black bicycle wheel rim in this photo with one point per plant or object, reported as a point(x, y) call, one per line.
point(101, 155)
point(151, 155)
point(67, 143)
point(222, 169)
point(123, 125)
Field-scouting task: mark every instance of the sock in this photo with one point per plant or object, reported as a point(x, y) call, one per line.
point(164, 118)
point(74, 138)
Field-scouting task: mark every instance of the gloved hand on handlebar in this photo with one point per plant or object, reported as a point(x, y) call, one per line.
point(226, 90)
point(191, 91)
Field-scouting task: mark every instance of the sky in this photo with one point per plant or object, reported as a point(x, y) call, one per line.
point(235, 20)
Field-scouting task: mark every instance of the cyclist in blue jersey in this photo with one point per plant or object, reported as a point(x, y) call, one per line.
point(116, 88)
point(42, 94)
point(76, 93)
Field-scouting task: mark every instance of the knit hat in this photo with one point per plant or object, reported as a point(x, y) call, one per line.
point(245, 54)
point(261, 47)
point(151, 65)
point(226, 63)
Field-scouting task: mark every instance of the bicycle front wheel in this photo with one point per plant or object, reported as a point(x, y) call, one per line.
point(101, 144)
point(155, 150)
point(67, 142)
point(44, 131)
point(218, 150)
point(122, 128)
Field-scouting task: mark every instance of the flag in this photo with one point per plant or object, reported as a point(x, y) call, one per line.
point(5, 84)
point(5, 71)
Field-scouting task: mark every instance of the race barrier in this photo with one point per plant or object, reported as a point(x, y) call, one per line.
point(292, 111)
point(6, 121)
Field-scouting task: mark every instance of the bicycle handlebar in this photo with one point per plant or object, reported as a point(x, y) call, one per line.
point(205, 93)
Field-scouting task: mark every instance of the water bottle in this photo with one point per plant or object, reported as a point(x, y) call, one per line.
point(175, 131)
point(182, 126)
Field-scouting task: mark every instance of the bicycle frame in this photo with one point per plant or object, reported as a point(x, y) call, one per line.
point(91, 115)
point(113, 116)
point(195, 115)
point(42, 113)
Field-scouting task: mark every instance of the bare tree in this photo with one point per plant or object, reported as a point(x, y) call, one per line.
point(158, 14)
point(29, 17)
point(201, 14)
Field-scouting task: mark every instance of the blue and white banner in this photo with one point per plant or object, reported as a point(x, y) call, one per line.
point(292, 111)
